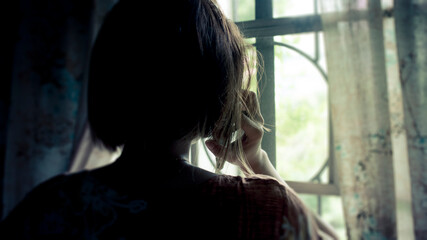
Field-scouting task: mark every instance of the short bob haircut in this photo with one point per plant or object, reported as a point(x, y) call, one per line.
point(169, 69)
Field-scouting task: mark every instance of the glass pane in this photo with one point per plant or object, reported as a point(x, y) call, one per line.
point(307, 43)
point(310, 200)
point(244, 10)
point(238, 10)
point(332, 213)
point(331, 210)
point(227, 7)
point(303, 41)
point(301, 95)
point(324, 176)
point(288, 8)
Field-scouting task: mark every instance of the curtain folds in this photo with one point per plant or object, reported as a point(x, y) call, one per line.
point(47, 113)
point(411, 32)
point(377, 67)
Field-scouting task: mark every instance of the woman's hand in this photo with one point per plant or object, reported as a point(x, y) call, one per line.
point(252, 137)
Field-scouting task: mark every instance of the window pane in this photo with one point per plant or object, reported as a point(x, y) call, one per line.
point(310, 201)
point(288, 8)
point(332, 213)
point(331, 210)
point(301, 95)
point(303, 41)
point(238, 10)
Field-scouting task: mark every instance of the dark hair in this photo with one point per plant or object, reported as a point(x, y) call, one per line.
point(170, 68)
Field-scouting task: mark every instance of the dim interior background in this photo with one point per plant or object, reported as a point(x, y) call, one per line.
point(344, 91)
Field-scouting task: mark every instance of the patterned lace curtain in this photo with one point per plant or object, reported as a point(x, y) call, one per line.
point(47, 112)
point(377, 66)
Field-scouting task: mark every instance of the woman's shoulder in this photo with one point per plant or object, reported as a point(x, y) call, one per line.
point(265, 207)
point(257, 192)
point(61, 186)
point(49, 207)
point(74, 206)
point(256, 185)
point(47, 193)
point(48, 189)
point(60, 181)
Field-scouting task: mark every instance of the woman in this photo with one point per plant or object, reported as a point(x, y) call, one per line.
point(156, 85)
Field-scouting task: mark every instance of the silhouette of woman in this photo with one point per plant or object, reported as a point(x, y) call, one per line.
point(163, 74)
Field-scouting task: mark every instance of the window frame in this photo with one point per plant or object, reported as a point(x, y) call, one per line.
point(263, 29)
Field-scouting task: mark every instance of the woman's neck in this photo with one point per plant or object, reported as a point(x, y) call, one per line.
point(160, 160)
point(140, 155)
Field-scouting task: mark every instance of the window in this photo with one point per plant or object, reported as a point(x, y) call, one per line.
point(294, 99)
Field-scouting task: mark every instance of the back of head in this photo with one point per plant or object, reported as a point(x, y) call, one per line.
point(165, 69)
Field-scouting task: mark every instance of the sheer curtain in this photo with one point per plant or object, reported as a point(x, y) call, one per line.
point(47, 113)
point(377, 66)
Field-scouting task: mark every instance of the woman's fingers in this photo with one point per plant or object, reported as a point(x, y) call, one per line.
point(217, 149)
point(253, 130)
point(251, 140)
point(252, 124)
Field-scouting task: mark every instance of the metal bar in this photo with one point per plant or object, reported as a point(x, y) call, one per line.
point(280, 26)
point(317, 175)
point(316, 34)
point(306, 56)
point(265, 46)
point(267, 27)
point(263, 9)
